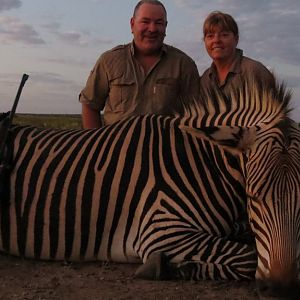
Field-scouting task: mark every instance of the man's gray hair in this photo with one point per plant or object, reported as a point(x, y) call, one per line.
point(155, 2)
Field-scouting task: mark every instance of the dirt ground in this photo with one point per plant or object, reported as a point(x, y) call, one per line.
point(31, 280)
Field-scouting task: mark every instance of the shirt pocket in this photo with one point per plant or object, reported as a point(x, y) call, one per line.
point(122, 91)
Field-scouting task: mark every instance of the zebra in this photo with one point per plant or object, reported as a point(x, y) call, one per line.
point(109, 194)
point(154, 189)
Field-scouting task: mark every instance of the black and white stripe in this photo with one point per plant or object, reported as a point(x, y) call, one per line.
point(121, 193)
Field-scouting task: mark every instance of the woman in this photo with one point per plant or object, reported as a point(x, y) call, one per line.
point(229, 66)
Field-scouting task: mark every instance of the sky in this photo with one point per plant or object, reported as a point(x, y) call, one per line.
point(57, 42)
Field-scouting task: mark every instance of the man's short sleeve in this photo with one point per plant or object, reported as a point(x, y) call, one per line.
point(95, 91)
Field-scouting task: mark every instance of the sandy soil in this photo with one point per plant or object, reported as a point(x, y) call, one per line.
point(30, 280)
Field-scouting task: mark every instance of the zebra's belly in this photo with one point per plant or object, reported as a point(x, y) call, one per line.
point(49, 236)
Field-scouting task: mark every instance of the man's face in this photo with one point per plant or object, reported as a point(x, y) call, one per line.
point(149, 28)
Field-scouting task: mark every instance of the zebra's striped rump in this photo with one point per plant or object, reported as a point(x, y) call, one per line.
point(125, 191)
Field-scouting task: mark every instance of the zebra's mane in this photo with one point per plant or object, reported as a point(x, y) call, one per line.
point(249, 104)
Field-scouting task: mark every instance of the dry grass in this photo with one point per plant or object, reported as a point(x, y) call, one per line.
point(49, 121)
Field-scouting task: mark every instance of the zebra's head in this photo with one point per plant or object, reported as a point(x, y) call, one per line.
point(272, 170)
point(271, 159)
point(273, 189)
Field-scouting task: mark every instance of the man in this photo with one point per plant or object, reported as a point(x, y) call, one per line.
point(144, 76)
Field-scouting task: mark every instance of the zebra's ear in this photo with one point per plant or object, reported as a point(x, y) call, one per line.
point(235, 139)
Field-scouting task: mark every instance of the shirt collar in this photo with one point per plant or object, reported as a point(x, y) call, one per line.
point(235, 67)
point(164, 49)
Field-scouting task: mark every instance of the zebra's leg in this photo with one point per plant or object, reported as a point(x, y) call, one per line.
point(240, 264)
point(157, 267)
point(217, 258)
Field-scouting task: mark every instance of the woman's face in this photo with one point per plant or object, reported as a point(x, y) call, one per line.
point(220, 44)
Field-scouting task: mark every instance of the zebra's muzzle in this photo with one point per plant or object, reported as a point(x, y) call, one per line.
point(268, 289)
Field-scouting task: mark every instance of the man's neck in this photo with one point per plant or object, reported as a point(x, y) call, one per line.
point(147, 60)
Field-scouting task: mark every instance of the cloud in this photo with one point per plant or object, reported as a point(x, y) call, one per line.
point(268, 29)
point(69, 36)
point(14, 30)
point(79, 38)
point(49, 78)
point(68, 62)
point(72, 37)
point(237, 6)
point(44, 92)
point(292, 81)
point(9, 4)
point(273, 32)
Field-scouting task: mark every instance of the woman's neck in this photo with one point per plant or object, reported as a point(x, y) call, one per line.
point(223, 67)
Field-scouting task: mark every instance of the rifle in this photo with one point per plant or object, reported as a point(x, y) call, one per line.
point(5, 123)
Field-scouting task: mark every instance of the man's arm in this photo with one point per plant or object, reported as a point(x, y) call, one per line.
point(191, 79)
point(90, 117)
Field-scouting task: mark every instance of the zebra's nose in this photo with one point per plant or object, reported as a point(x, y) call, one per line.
point(268, 289)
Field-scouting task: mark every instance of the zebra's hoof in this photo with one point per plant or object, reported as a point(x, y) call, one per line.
point(155, 268)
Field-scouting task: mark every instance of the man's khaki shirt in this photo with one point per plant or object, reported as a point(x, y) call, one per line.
point(243, 67)
point(119, 86)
